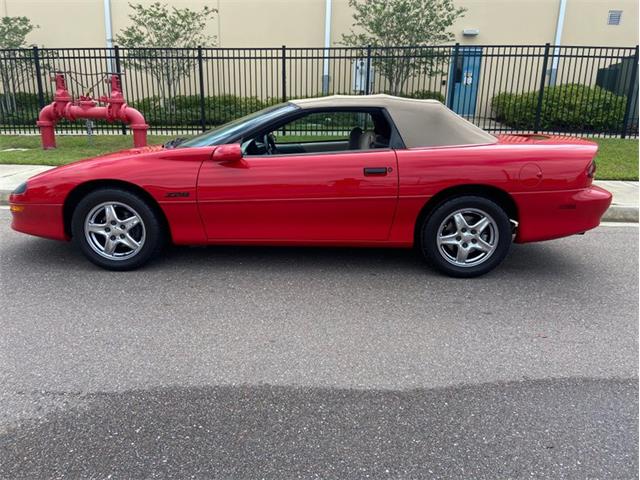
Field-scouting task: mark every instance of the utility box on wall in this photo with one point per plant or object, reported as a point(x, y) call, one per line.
point(359, 75)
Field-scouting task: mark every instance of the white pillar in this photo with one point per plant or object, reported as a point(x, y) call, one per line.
point(327, 44)
point(108, 30)
point(557, 41)
point(107, 23)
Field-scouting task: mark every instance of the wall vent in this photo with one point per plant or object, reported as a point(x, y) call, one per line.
point(614, 17)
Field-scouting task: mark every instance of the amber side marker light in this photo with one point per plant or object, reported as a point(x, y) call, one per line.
point(16, 208)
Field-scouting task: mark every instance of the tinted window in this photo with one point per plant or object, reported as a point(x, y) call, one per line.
point(331, 125)
point(229, 131)
point(322, 132)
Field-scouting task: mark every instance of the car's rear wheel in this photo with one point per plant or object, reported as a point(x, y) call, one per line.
point(116, 229)
point(466, 236)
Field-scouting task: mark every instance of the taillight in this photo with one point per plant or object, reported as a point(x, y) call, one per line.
point(591, 169)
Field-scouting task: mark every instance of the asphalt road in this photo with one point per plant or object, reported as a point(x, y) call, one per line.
point(242, 363)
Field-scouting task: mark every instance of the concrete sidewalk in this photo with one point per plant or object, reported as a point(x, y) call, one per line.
point(13, 175)
point(623, 209)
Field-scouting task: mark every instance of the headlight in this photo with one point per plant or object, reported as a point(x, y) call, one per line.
point(20, 189)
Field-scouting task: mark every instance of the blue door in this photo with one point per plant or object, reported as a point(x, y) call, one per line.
point(464, 76)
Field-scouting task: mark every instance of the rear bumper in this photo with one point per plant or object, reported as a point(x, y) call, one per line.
point(549, 215)
point(42, 220)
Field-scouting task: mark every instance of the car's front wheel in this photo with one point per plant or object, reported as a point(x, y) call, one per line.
point(466, 236)
point(116, 229)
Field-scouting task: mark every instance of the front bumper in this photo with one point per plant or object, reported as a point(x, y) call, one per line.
point(42, 220)
point(549, 215)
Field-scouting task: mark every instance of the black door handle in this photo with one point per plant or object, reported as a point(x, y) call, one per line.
point(368, 171)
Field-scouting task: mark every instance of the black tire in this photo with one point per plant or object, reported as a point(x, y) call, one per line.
point(441, 256)
point(150, 229)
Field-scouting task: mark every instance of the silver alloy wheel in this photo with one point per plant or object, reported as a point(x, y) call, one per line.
point(114, 231)
point(467, 237)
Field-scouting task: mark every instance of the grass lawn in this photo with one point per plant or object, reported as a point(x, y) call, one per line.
point(70, 148)
point(617, 159)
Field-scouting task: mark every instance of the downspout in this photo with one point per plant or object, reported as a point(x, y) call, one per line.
point(557, 41)
point(219, 39)
point(327, 44)
point(108, 30)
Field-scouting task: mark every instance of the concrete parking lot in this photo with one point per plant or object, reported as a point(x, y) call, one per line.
point(319, 363)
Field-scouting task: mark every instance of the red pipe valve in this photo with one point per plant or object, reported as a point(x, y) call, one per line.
point(64, 107)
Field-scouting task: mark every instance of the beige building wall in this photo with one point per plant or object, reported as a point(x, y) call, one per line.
point(300, 23)
point(499, 21)
point(586, 23)
point(248, 23)
point(66, 23)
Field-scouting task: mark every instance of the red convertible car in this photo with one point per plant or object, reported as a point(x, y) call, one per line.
point(369, 171)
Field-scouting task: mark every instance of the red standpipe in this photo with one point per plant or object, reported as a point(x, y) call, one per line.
point(63, 106)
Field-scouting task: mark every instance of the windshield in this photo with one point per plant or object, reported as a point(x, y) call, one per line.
point(224, 133)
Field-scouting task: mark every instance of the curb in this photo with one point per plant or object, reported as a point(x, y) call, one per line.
point(615, 213)
point(621, 213)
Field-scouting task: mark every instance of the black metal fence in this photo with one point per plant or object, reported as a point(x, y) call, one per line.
point(514, 88)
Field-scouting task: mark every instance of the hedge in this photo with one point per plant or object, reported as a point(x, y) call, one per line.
point(21, 108)
point(570, 107)
point(424, 95)
point(184, 110)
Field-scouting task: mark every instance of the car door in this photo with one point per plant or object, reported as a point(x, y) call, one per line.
point(334, 197)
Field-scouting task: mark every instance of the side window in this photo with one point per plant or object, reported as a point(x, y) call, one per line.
point(324, 132)
point(325, 126)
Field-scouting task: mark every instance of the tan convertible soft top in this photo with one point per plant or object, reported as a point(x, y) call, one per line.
point(421, 123)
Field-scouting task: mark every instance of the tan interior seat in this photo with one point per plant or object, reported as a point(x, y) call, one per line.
point(367, 140)
point(354, 138)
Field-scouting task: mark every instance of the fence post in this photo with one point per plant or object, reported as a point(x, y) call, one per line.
point(116, 53)
point(451, 80)
point(632, 85)
point(284, 73)
point(543, 79)
point(203, 121)
point(36, 60)
point(367, 78)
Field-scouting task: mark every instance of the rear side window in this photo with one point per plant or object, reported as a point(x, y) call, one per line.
point(336, 125)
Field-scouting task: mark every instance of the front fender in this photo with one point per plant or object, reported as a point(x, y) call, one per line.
point(169, 177)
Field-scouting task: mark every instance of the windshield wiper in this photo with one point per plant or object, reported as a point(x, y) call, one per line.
point(174, 143)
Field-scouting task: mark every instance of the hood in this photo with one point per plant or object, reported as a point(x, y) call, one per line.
point(86, 163)
point(120, 154)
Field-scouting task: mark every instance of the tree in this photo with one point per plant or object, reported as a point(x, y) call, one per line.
point(403, 23)
point(157, 27)
point(16, 65)
point(14, 31)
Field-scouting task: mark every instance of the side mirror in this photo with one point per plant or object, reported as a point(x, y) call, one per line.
point(230, 153)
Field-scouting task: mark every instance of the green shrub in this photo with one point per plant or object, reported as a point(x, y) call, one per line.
point(20, 108)
point(184, 110)
point(425, 95)
point(570, 107)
